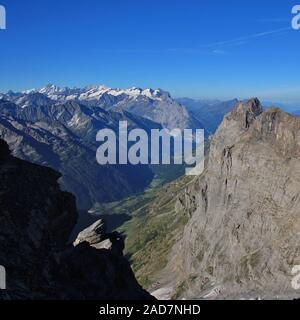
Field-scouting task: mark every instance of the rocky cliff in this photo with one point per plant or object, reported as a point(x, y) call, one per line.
point(36, 219)
point(243, 236)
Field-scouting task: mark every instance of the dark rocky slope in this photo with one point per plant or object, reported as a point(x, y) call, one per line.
point(36, 219)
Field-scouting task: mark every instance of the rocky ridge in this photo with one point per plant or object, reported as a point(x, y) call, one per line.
point(243, 235)
point(155, 105)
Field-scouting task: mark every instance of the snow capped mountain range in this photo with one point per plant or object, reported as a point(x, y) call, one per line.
point(155, 105)
point(57, 127)
point(95, 92)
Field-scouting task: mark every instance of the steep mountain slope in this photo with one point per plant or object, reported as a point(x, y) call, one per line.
point(64, 137)
point(57, 127)
point(36, 221)
point(242, 239)
point(239, 223)
point(156, 224)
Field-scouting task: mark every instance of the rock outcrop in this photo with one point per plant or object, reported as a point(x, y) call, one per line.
point(243, 236)
point(98, 238)
point(36, 219)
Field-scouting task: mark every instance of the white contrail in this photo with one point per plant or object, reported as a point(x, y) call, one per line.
point(245, 38)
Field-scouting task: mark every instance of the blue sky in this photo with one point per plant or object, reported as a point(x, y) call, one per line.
point(196, 48)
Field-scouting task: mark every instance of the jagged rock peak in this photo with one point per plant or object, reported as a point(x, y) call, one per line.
point(98, 238)
point(252, 105)
point(246, 112)
point(93, 234)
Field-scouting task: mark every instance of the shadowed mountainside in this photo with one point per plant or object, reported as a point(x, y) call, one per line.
point(36, 219)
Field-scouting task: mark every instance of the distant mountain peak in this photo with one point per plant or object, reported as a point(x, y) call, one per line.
point(156, 105)
point(95, 92)
point(49, 88)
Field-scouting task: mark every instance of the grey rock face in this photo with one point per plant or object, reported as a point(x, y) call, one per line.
point(93, 234)
point(36, 219)
point(243, 237)
point(97, 238)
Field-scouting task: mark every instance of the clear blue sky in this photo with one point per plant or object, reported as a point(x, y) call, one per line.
point(196, 48)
